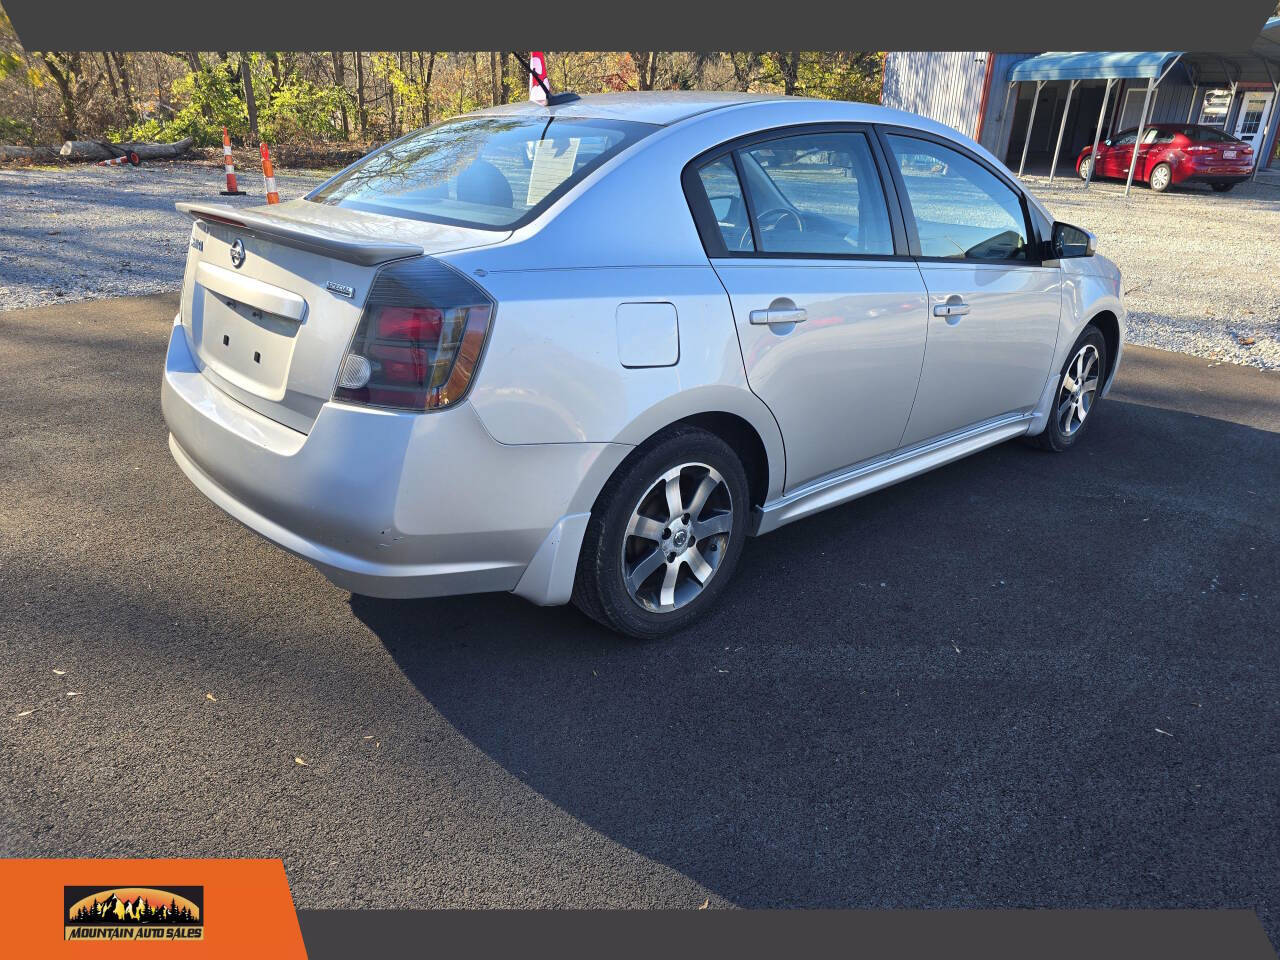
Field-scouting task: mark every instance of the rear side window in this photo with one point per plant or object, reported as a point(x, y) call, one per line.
point(962, 210)
point(494, 171)
point(724, 193)
point(817, 193)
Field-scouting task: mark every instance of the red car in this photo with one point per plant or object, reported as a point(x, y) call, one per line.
point(1173, 153)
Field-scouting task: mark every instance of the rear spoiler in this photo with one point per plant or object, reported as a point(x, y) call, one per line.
point(305, 236)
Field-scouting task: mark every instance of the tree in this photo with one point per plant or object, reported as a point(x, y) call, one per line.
point(246, 77)
point(67, 71)
point(362, 112)
point(746, 69)
point(646, 64)
point(787, 65)
point(339, 79)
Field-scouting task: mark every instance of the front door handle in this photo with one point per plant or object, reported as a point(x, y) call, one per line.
point(953, 307)
point(780, 312)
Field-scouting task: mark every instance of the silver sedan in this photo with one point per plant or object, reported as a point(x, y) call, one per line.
point(582, 352)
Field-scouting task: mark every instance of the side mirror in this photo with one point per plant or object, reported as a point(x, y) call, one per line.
point(1069, 241)
point(1106, 142)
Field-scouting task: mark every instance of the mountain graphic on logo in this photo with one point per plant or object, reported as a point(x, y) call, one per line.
point(134, 905)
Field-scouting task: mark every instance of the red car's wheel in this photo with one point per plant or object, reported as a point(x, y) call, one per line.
point(1161, 177)
point(1083, 168)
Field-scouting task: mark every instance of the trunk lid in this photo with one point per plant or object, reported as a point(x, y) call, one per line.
point(1216, 154)
point(272, 296)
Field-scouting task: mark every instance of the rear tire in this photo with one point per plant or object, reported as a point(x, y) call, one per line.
point(1161, 177)
point(664, 536)
point(1221, 187)
point(1076, 396)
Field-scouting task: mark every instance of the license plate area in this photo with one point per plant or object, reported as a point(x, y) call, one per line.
point(1228, 154)
point(249, 347)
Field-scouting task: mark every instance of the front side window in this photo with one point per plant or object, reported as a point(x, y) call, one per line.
point(817, 193)
point(492, 171)
point(962, 210)
point(1126, 139)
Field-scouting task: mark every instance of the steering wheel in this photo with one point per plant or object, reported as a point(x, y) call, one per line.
point(778, 214)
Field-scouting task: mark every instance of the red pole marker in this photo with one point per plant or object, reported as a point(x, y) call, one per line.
point(537, 76)
point(229, 166)
point(268, 174)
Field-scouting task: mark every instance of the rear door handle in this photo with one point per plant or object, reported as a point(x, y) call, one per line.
point(954, 307)
point(780, 315)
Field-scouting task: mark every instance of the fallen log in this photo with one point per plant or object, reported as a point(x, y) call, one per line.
point(95, 150)
point(12, 152)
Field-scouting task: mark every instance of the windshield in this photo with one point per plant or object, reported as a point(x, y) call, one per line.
point(492, 172)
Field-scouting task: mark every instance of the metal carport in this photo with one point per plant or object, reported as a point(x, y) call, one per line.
point(1074, 67)
point(1262, 62)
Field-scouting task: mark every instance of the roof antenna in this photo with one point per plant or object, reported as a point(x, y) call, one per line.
point(552, 98)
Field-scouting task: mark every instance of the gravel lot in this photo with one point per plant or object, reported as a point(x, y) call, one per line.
point(1199, 267)
point(89, 232)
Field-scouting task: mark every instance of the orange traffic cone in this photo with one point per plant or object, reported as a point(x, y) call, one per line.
point(268, 174)
point(229, 166)
point(129, 157)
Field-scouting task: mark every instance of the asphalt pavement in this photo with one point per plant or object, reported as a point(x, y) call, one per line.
point(1022, 680)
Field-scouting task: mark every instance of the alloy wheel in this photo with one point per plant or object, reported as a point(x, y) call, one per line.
point(1078, 390)
point(677, 537)
point(1159, 178)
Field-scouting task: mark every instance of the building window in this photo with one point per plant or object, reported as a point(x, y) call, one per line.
point(1213, 111)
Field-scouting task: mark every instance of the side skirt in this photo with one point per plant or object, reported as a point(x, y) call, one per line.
point(885, 471)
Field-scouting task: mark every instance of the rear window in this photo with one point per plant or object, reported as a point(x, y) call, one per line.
point(494, 172)
point(1210, 135)
point(1193, 133)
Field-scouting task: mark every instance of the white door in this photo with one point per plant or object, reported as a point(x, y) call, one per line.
point(1251, 124)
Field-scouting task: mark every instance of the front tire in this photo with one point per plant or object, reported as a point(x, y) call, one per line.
point(665, 535)
point(1161, 177)
point(1083, 169)
point(1079, 384)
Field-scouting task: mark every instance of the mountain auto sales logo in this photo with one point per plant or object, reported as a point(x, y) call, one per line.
point(133, 913)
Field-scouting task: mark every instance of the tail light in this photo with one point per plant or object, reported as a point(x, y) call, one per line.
point(1200, 148)
point(419, 338)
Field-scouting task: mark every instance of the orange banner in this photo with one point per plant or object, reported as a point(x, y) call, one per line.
point(160, 908)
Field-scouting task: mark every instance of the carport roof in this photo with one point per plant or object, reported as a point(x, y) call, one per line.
point(1256, 65)
point(1092, 66)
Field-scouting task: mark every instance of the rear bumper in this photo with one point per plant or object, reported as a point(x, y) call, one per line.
point(388, 504)
point(1207, 176)
point(1187, 170)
